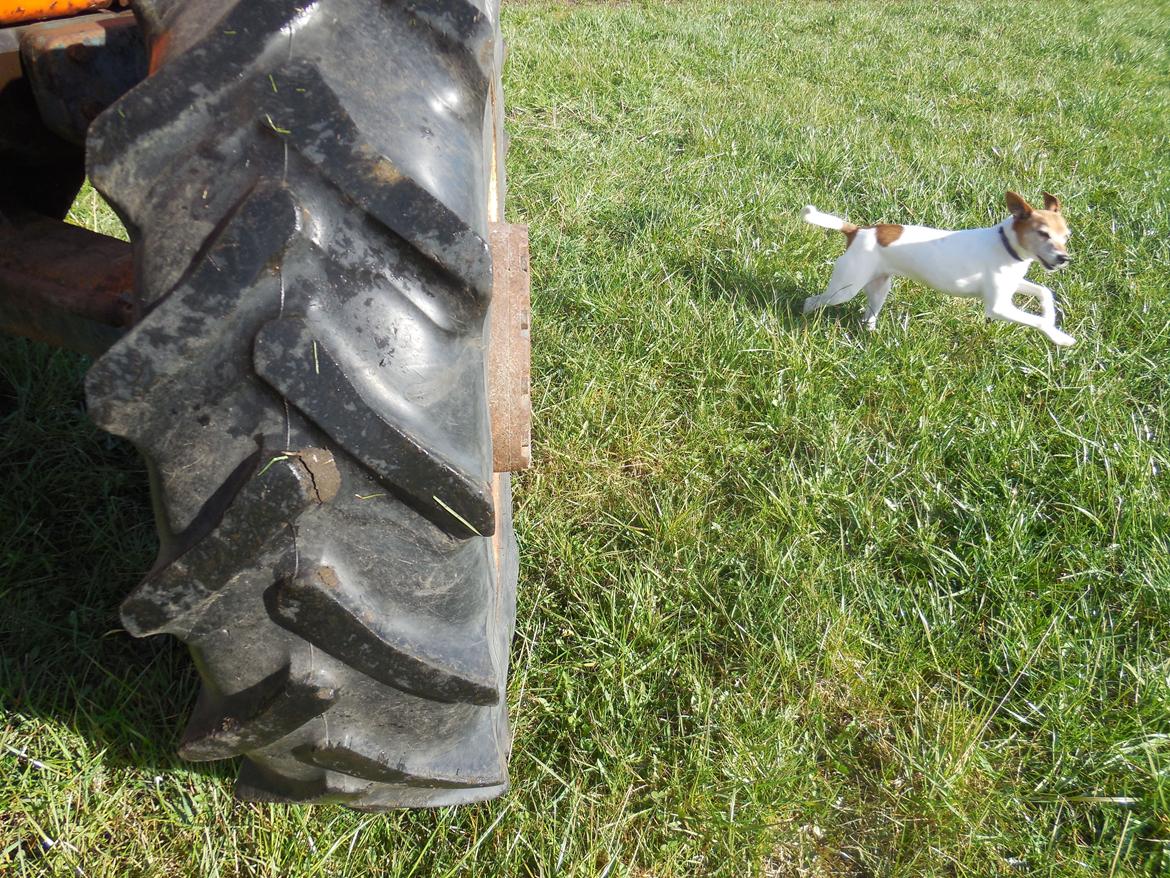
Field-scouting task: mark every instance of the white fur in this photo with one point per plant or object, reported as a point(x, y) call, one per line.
point(819, 218)
point(971, 263)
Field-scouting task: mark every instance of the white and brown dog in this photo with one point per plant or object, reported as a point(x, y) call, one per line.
point(987, 263)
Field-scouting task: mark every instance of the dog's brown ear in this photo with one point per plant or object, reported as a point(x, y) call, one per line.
point(1020, 209)
point(1051, 202)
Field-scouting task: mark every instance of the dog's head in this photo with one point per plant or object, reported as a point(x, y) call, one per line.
point(1043, 233)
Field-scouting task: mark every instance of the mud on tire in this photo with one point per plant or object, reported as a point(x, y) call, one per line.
point(306, 187)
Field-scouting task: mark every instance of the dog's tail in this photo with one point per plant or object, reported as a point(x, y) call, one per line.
point(811, 215)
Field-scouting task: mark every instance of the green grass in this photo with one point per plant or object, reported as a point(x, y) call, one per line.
point(796, 599)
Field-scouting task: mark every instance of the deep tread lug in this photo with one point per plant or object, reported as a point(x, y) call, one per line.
point(306, 112)
point(255, 717)
point(132, 382)
point(190, 351)
point(183, 585)
point(302, 369)
point(116, 151)
point(459, 21)
point(452, 666)
point(477, 766)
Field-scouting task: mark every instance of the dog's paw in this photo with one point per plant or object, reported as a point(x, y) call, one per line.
point(1063, 339)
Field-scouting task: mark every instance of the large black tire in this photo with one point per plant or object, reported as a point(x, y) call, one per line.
point(306, 186)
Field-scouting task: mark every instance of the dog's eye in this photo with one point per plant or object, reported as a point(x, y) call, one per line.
point(1043, 233)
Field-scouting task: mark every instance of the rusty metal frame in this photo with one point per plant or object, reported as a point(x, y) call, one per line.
point(78, 67)
point(509, 363)
point(64, 285)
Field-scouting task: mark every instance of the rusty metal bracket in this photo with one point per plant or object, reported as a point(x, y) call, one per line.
point(78, 67)
point(64, 285)
point(509, 359)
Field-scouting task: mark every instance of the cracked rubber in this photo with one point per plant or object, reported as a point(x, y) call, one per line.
point(306, 187)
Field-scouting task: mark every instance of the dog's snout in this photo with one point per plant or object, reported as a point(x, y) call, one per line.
point(1063, 259)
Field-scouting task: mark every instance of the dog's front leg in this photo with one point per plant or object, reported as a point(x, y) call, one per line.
point(1043, 295)
point(998, 305)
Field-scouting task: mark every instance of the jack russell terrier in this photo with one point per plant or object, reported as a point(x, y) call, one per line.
point(987, 263)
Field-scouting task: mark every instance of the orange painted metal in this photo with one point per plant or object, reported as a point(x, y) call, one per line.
point(19, 11)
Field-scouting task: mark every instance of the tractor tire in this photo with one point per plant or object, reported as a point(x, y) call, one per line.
point(306, 185)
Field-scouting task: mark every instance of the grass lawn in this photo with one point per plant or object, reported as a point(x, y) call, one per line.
point(796, 599)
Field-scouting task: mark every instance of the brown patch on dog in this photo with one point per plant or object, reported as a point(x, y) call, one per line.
point(1051, 220)
point(850, 232)
point(1042, 231)
point(1019, 208)
point(887, 233)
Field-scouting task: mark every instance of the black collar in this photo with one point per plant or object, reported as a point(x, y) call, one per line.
point(1014, 255)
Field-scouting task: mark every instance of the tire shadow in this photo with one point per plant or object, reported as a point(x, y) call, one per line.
point(76, 534)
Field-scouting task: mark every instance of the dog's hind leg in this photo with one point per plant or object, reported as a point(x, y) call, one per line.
point(875, 296)
point(850, 275)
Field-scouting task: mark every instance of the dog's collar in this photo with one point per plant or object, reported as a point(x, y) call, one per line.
point(1007, 246)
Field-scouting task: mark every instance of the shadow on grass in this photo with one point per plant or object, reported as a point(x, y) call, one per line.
point(77, 535)
point(739, 287)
